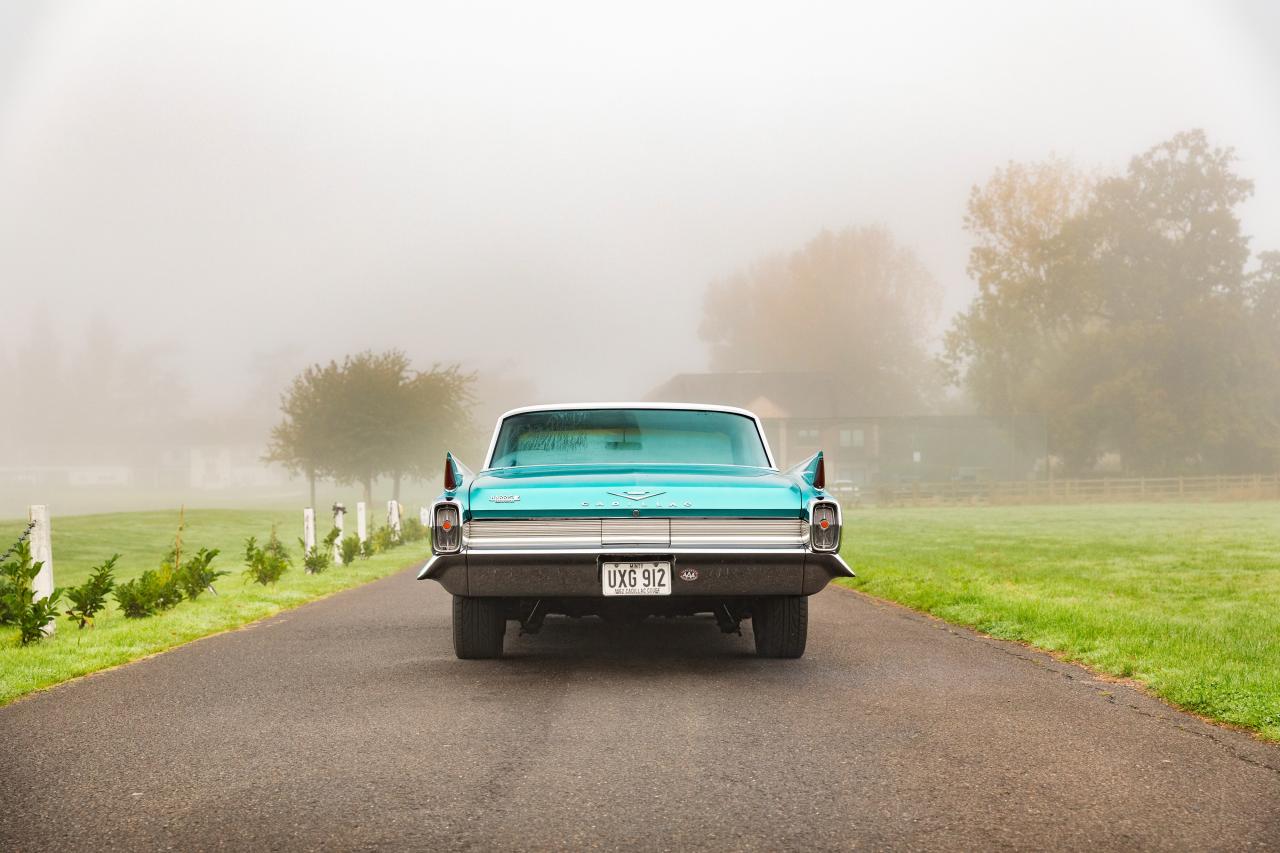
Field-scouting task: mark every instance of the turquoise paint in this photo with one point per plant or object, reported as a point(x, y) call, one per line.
point(674, 490)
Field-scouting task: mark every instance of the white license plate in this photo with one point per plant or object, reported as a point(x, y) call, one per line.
point(642, 578)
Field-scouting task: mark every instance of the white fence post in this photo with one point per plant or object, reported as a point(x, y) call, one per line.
point(362, 523)
point(339, 513)
point(308, 532)
point(393, 519)
point(42, 552)
point(424, 516)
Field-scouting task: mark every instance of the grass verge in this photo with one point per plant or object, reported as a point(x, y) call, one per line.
point(1184, 599)
point(80, 542)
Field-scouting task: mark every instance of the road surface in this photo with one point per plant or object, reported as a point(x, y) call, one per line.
point(348, 724)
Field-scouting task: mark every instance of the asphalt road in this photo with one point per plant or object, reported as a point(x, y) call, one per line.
point(348, 724)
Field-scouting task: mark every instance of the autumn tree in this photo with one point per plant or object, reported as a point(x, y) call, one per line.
point(853, 303)
point(1122, 311)
point(1010, 337)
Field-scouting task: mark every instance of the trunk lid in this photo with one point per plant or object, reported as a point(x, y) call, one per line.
point(572, 491)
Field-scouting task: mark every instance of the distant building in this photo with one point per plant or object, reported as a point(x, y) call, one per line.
point(863, 444)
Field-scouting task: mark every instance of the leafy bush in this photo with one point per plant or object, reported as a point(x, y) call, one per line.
point(320, 557)
point(149, 593)
point(382, 539)
point(413, 530)
point(351, 549)
point(195, 576)
point(91, 596)
point(18, 604)
point(265, 564)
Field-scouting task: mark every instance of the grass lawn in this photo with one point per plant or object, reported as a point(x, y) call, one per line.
point(142, 538)
point(1184, 598)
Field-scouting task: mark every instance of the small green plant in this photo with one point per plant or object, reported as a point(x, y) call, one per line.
point(90, 597)
point(149, 593)
point(18, 604)
point(266, 563)
point(320, 557)
point(382, 539)
point(159, 589)
point(413, 530)
point(350, 548)
point(195, 575)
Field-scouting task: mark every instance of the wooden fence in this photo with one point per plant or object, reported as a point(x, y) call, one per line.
point(1095, 490)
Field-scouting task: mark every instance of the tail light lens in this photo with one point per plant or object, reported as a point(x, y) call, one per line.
point(446, 529)
point(825, 521)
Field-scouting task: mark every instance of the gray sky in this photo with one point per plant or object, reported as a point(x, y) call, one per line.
point(546, 187)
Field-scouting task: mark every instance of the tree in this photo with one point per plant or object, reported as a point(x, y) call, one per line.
point(373, 415)
point(442, 399)
point(1006, 339)
point(865, 302)
point(1121, 311)
point(306, 442)
point(397, 419)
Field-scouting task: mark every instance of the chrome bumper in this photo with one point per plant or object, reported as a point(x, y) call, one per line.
point(575, 573)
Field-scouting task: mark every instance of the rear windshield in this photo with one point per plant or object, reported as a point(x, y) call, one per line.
point(590, 436)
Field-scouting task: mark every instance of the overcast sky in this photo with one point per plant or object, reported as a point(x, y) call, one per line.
point(546, 188)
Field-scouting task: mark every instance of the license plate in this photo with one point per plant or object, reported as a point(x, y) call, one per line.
point(642, 578)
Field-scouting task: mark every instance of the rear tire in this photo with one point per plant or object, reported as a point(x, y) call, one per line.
point(479, 625)
point(781, 626)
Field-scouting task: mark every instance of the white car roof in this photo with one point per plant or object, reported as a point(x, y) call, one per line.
point(559, 407)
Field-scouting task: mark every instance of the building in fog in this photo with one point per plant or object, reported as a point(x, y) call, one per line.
point(863, 444)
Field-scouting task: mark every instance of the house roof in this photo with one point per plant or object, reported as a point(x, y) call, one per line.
point(775, 395)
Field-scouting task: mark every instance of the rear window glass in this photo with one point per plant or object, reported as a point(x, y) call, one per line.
point(593, 436)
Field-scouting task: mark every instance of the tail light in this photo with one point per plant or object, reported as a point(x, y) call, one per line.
point(446, 529)
point(824, 519)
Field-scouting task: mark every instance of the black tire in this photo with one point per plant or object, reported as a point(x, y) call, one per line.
point(781, 626)
point(479, 625)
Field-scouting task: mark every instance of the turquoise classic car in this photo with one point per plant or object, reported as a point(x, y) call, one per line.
point(629, 510)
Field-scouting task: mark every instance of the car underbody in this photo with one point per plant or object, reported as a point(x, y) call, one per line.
point(778, 623)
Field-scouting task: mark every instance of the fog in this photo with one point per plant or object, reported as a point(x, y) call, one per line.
point(543, 192)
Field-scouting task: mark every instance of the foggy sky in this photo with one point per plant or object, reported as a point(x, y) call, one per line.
point(548, 189)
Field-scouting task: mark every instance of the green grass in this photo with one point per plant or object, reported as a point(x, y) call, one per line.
point(80, 542)
point(1182, 598)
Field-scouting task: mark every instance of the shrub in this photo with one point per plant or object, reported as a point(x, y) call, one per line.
point(91, 596)
point(413, 530)
point(351, 549)
point(265, 564)
point(320, 557)
point(18, 604)
point(195, 576)
point(382, 539)
point(149, 593)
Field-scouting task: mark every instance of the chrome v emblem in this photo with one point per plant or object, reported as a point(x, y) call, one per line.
point(638, 494)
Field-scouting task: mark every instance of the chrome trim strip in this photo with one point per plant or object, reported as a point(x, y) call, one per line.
point(635, 531)
point(766, 532)
point(487, 534)
point(494, 534)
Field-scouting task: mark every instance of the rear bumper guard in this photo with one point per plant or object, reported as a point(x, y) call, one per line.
point(575, 573)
